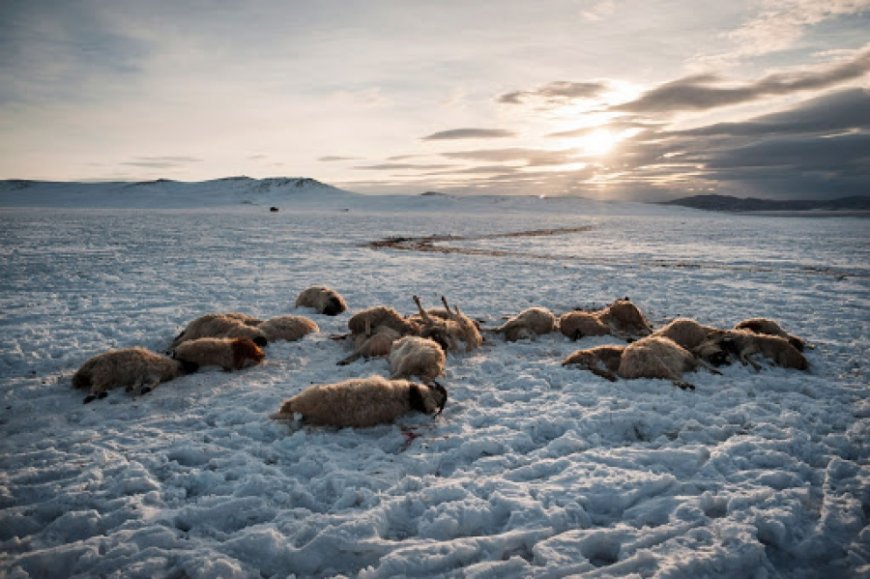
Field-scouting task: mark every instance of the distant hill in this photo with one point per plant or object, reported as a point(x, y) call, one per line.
point(166, 193)
point(729, 203)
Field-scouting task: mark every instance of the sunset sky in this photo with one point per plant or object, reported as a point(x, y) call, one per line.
point(601, 98)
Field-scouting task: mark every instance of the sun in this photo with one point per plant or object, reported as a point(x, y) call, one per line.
point(598, 143)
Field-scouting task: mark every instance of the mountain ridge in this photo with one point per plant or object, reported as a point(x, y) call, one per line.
point(750, 204)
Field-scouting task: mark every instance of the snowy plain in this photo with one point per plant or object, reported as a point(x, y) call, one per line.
point(533, 470)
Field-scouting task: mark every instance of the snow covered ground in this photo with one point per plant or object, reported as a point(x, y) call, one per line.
point(532, 470)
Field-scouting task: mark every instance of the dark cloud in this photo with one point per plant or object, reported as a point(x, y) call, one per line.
point(556, 91)
point(469, 134)
point(168, 162)
point(818, 149)
point(841, 111)
point(703, 92)
point(531, 157)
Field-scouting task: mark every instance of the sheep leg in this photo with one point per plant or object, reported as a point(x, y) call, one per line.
point(683, 384)
point(709, 367)
point(747, 360)
point(606, 374)
point(352, 358)
point(151, 385)
point(423, 313)
point(450, 314)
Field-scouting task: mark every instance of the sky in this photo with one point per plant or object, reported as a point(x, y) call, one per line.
point(607, 99)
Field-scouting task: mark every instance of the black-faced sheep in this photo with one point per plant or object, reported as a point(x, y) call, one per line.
point(622, 319)
point(770, 327)
point(323, 299)
point(138, 369)
point(744, 344)
point(289, 328)
point(527, 324)
point(228, 325)
point(415, 356)
point(448, 327)
point(362, 402)
point(649, 357)
point(228, 353)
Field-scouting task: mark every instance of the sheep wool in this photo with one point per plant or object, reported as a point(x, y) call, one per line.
point(362, 402)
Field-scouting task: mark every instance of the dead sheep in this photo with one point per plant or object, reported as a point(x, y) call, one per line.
point(448, 327)
point(288, 328)
point(323, 299)
point(576, 325)
point(228, 353)
point(372, 345)
point(227, 325)
point(770, 327)
point(602, 360)
point(137, 369)
point(622, 319)
point(528, 324)
point(658, 357)
point(416, 356)
point(371, 319)
point(649, 357)
point(744, 344)
point(700, 339)
point(362, 402)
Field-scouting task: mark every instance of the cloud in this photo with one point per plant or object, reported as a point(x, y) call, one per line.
point(402, 166)
point(559, 90)
point(168, 162)
point(703, 92)
point(818, 148)
point(781, 23)
point(837, 112)
point(469, 134)
point(334, 158)
point(617, 125)
point(531, 157)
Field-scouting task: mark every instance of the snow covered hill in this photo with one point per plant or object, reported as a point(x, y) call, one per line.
point(164, 193)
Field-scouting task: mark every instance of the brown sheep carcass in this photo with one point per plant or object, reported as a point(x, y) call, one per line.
point(228, 353)
point(770, 327)
point(744, 344)
point(649, 357)
point(362, 402)
point(622, 319)
point(416, 356)
point(138, 369)
point(227, 325)
point(288, 328)
point(323, 299)
point(528, 324)
point(448, 326)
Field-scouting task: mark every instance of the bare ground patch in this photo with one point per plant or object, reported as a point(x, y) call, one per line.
point(442, 244)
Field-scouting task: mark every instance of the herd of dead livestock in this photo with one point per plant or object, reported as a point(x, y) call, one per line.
point(416, 345)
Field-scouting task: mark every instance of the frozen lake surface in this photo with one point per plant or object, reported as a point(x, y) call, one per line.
point(532, 470)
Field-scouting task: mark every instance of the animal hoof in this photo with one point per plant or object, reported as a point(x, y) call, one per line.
point(102, 395)
point(145, 390)
point(88, 399)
